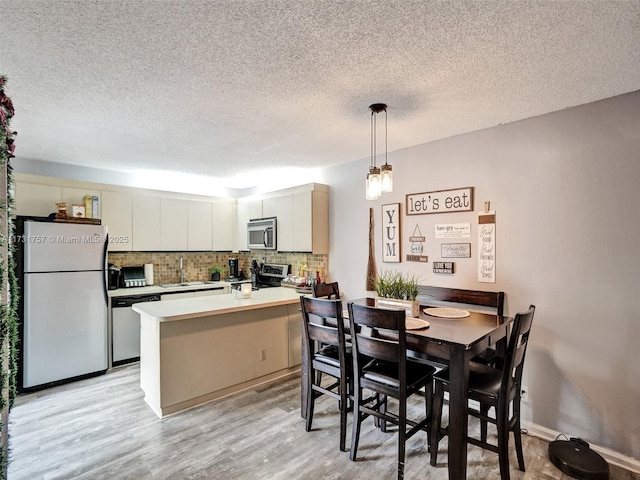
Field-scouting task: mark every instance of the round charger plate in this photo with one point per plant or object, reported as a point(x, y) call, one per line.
point(444, 312)
point(412, 323)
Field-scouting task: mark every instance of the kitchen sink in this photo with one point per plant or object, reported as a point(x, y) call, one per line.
point(185, 284)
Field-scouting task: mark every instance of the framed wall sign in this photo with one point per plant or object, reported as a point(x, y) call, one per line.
point(391, 233)
point(487, 247)
point(455, 250)
point(441, 201)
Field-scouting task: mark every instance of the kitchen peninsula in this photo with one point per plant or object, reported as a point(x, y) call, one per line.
point(195, 350)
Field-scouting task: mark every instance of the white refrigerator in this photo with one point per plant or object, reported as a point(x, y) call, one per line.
point(64, 301)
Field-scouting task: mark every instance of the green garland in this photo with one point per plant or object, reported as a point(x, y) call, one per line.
point(8, 280)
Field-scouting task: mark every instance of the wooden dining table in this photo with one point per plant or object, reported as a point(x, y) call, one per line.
point(452, 341)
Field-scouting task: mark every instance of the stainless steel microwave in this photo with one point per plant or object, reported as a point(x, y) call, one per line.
point(261, 233)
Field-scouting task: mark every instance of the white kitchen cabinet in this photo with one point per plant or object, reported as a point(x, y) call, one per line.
point(282, 209)
point(199, 226)
point(255, 209)
point(146, 223)
point(223, 226)
point(117, 216)
point(311, 221)
point(242, 218)
point(36, 200)
point(303, 218)
point(173, 224)
point(295, 336)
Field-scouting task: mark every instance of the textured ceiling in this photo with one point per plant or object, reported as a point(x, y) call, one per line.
point(234, 89)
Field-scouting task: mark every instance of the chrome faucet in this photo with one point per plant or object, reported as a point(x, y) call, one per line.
point(180, 267)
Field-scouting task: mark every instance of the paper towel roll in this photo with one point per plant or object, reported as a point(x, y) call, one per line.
point(148, 273)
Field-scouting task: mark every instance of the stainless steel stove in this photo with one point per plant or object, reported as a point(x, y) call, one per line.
point(271, 275)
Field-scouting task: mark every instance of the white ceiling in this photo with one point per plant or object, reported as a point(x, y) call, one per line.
point(239, 90)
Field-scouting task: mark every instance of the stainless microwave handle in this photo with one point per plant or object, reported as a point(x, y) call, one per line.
point(265, 236)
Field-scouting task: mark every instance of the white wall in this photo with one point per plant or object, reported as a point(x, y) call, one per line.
point(565, 188)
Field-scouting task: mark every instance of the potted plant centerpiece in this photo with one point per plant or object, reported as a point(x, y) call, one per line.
point(398, 289)
point(215, 271)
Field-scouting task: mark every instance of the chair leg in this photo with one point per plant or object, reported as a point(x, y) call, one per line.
point(518, 441)
point(311, 395)
point(428, 404)
point(343, 414)
point(503, 444)
point(357, 420)
point(436, 420)
point(402, 437)
point(484, 410)
point(383, 409)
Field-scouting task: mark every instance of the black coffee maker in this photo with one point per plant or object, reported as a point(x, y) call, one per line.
point(233, 269)
point(114, 276)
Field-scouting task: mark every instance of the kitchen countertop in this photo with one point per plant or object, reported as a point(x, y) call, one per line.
point(182, 309)
point(157, 289)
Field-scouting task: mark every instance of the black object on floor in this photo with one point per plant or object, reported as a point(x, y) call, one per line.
point(575, 458)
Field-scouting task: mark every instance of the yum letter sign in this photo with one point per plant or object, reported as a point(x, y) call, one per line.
point(442, 201)
point(391, 233)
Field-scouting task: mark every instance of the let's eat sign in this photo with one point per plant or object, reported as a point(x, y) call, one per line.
point(441, 201)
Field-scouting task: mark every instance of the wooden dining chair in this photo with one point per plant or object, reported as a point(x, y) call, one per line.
point(327, 352)
point(492, 387)
point(326, 290)
point(380, 364)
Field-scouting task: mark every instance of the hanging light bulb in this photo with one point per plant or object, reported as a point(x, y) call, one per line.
point(379, 180)
point(386, 176)
point(374, 184)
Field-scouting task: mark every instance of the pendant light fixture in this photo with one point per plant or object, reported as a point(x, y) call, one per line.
point(379, 180)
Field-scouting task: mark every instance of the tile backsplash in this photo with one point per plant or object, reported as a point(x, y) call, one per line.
point(196, 264)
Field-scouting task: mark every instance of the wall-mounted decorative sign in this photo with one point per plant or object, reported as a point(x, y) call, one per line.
point(441, 201)
point(487, 247)
point(453, 230)
point(455, 250)
point(391, 233)
point(443, 267)
point(417, 240)
point(418, 258)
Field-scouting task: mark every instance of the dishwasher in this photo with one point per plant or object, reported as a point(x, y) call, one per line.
point(125, 331)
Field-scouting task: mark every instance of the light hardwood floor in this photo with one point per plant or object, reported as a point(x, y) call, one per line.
point(101, 428)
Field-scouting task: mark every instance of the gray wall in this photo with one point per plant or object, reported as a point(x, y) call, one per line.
point(565, 190)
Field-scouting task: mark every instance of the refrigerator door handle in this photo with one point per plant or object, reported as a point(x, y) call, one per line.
point(105, 277)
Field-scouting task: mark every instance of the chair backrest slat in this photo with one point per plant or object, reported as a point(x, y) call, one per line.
point(324, 334)
point(326, 290)
point(380, 348)
point(384, 335)
point(469, 297)
point(316, 328)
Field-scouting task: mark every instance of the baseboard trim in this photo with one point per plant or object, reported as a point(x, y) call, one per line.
point(611, 456)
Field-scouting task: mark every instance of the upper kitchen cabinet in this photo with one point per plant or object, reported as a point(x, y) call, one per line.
point(255, 209)
point(146, 223)
point(223, 226)
point(303, 218)
point(311, 220)
point(200, 221)
point(174, 224)
point(243, 215)
point(36, 200)
point(117, 216)
point(282, 209)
